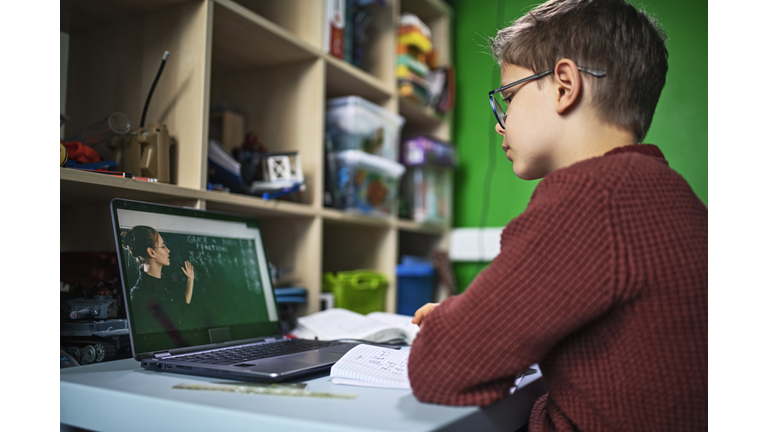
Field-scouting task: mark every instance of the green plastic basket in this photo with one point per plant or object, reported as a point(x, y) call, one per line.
point(361, 291)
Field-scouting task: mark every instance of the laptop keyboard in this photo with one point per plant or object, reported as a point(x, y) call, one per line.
point(256, 351)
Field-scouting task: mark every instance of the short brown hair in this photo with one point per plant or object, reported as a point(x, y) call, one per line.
point(611, 35)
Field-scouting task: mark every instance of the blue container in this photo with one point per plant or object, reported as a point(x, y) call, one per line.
point(415, 285)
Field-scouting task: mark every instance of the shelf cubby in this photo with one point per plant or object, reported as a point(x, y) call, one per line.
point(113, 62)
point(361, 246)
point(299, 17)
point(279, 104)
point(344, 79)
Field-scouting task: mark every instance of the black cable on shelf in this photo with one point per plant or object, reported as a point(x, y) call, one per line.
point(152, 89)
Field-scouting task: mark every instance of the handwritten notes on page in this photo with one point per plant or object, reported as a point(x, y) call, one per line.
point(371, 366)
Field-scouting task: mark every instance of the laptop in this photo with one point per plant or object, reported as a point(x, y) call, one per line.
point(199, 296)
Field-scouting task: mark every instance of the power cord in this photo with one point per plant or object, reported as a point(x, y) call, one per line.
point(392, 343)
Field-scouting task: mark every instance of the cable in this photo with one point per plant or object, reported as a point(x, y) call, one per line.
point(399, 342)
point(152, 89)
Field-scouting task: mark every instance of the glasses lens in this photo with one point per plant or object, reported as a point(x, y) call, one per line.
point(500, 109)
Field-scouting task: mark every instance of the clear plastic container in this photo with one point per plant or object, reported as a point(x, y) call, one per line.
point(424, 150)
point(427, 187)
point(365, 183)
point(427, 193)
point(353, 123)
point(116, 124)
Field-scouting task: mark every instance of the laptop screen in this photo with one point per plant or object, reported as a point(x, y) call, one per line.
point(192, 277)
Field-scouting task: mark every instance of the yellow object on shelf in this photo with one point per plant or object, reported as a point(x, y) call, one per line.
point(62, 155)
point(402, 71)
point(416, 39)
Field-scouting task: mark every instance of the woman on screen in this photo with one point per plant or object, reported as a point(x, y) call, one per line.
point(148, 248)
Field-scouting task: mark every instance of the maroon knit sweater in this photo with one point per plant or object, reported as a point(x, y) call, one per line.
point(602, 281)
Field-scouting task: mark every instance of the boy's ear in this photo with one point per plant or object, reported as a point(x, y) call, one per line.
point(568, 83)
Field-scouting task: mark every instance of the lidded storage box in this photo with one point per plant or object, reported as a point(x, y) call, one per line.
point(427, 187)
point(353, 123)
point(365, 183)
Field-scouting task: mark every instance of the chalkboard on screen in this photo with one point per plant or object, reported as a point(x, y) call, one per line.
point(228, 288)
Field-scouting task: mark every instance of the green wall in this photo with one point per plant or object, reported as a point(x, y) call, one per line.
point(487, 192)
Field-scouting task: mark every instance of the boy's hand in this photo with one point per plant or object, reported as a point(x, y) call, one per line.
point(423, 311)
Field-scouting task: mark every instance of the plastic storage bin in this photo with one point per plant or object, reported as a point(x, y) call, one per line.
point(427, 194)
point(424, 150)
point(364, 183)
point(353, 123)
point(415, 285)
point(361, 291)
point(427, 187)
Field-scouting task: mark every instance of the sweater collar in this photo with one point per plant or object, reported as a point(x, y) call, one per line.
point(148, 279)
point(644, 149)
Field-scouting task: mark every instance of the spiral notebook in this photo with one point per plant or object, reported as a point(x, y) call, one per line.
point(373, 366)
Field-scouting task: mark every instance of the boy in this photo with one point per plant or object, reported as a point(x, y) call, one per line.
point(602, 280)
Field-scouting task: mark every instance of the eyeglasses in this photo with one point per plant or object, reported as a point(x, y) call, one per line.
point(499, 103)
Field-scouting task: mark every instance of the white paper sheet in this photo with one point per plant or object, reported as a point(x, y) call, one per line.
point(373, 366)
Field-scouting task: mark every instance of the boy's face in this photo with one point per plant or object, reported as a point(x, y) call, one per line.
point(530, 132)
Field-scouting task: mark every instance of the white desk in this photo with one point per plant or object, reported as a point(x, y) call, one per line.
point(121, 396)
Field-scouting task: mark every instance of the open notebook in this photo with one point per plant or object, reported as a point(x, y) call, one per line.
point(372, 366)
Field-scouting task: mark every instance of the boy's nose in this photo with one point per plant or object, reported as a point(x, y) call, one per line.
point(499, 129)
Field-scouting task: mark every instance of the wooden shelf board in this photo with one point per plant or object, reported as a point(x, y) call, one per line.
point(426, 8)
point(84, 187)
point(435, 228)
point(80, 187)
point(344, 79)
point(238, 203)
point(339, 217)
point(76, 15)
point(417, 115)
point(268, 44)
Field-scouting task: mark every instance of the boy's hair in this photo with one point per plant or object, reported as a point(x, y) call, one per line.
point(602, 34)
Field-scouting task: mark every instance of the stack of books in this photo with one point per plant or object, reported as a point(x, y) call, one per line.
point(414, 53)
point(345, 28)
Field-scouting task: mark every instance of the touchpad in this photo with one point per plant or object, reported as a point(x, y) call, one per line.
point(296, 361)
point(314, 357)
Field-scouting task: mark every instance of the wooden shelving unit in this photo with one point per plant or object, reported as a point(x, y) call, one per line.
point(265, 58)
